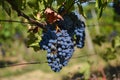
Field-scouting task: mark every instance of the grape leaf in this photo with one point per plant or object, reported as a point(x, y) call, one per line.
point(45, 3)
point(33, 40)
point(81, 9)
point(34, 4)
point(100, 11)
point(6, 7)
point(50, 2)
point(116, 42)
point(31, 3)
point(60, 2)
point(98, 3)
point(111, 56)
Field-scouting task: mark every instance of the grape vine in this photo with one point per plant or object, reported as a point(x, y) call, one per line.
point(62, 30)
point(60, 38)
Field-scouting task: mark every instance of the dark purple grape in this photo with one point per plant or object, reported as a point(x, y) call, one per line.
point(59, 48)
point(60, 44)
point(80, 34)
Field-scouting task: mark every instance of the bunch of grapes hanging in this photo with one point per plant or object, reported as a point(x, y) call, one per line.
point(63, 32)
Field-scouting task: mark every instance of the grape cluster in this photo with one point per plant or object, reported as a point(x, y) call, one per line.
point(60, 44)
point(48, 35)
point(75, 26)
point(59, 48)
point(80, 34)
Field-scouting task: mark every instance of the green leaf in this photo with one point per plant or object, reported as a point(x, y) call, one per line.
point(24, 2)
point(60, 2)
point(117, 42)
point(35, 46)
point(54, 5)
point(6, 7)
point(50, 2)
point(1, 1)
point(81, 9)
point(35, 5)
point(100, 11)
point(99, 39)
point(85, 69)
point(33, 40)
point(111, 56)
point(19, 3)
point(69, 5)
point(98, 3)
point(45, 3)
point(113, 43)
point(105, 4)
point(32, 3)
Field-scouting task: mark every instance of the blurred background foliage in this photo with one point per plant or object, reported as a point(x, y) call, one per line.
point(99, 57)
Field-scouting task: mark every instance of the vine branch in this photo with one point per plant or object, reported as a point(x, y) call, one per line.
point(26, 63)
point(20, 13)
point(38, 62)
point(89, 25)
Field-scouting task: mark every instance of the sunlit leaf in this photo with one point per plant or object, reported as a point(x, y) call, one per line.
point(100, 11)
point(36, 48)
point(30, 3)
point(116, 42)
point(60, 2)
point(98, 3)
point(81, 9)
point(23, 6)
point(111, 56)
point(33, 40)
